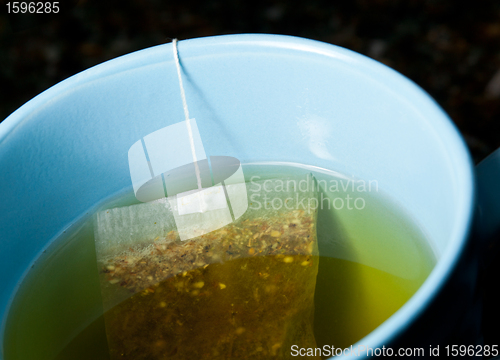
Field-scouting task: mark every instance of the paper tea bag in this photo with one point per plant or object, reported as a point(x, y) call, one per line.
point(245, 290)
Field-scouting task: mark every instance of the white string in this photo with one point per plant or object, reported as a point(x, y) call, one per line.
point(186, 113)
point(183, 95)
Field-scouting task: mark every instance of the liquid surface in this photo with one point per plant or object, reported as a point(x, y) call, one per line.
point(372, 259)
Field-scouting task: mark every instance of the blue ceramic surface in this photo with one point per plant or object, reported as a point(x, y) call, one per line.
point(256, 98)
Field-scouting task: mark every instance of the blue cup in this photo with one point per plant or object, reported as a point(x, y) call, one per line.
point(256, 98)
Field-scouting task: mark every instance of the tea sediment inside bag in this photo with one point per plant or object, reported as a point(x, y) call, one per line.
point(244, 291)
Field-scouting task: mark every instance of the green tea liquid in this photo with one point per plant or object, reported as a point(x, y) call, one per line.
point(372, 260)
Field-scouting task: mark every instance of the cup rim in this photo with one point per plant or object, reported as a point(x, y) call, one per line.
point(406, 315)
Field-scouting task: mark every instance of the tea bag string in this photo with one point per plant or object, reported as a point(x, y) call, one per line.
point(186, 112)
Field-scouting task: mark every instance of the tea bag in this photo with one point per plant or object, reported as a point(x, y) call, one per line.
point(244, 290)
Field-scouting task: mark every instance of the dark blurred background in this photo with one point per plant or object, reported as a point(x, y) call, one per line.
point(450, 49)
